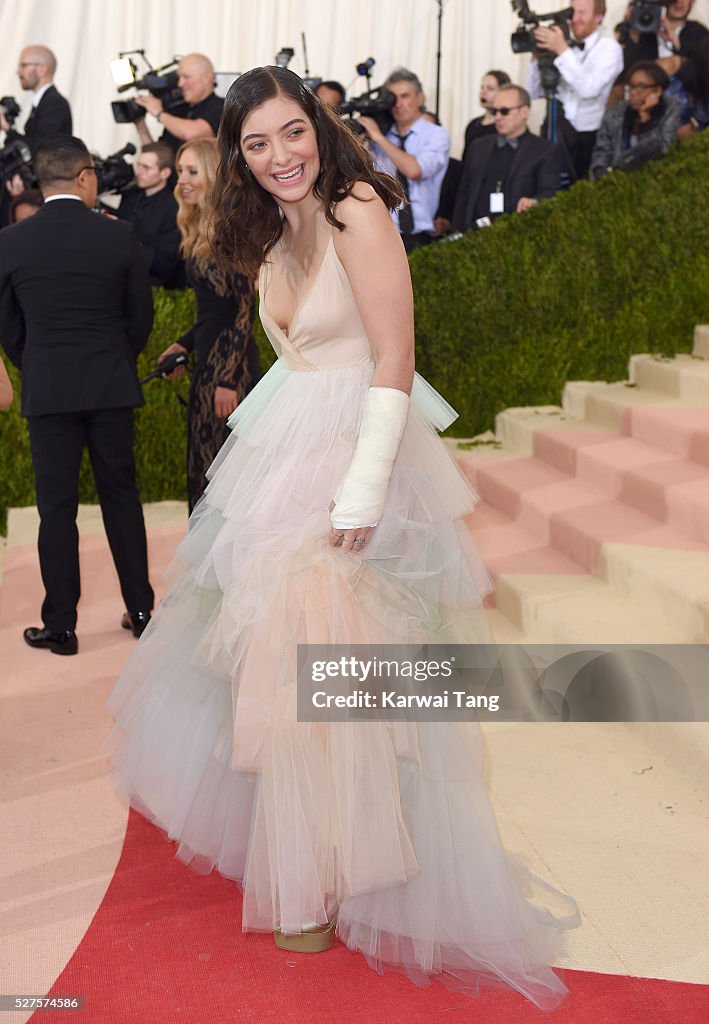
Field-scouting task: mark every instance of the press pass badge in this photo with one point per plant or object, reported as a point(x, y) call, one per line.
point(497, 201)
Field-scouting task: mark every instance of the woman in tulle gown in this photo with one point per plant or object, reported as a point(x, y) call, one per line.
point(333, 515)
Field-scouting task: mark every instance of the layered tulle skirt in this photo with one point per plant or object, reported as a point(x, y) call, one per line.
point(389, 821)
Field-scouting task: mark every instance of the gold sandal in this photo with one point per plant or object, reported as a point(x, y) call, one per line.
point(316, 939)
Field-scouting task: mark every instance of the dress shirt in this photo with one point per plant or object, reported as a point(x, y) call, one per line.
point(430, 145)
point(587, 77)
point(37, 96)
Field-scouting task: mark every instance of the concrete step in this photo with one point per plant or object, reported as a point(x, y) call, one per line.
point(669, 585)
point(684, 376)
point(578, 610)
point(701, 341)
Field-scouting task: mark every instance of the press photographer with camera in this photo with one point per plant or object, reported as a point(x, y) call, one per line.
point(50, 115)
point(151, 208)
point(195, 77)
point(75, 311)
point(652, 31)
point(588, 66)
point(414, 151)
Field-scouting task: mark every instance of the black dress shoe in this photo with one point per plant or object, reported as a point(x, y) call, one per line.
point(64, 642)
point(135, 621)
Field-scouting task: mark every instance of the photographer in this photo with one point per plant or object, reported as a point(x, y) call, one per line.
point(75, 311)
point(678, 35)
point(196, 80)
point(415, 152)
point(51, 113)
point(587, 76)
point(639, 128)
point(152, 210)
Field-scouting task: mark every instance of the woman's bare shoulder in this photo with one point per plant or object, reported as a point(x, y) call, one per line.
point(363, 211)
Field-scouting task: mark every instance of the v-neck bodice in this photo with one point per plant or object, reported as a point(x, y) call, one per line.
point(326, 331)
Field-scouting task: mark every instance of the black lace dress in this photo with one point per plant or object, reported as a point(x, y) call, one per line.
point(226, 356)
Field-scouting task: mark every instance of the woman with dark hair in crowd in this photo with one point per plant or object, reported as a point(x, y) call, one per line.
point(639, 128)
point(492, 82)
point(689, 84)
point(334, 516)
point(227, 362)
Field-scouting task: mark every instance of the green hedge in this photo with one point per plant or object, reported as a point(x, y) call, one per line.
point(567, 291)
point(504, 316)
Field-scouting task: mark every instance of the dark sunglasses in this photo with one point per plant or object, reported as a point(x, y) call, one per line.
point(505, 110)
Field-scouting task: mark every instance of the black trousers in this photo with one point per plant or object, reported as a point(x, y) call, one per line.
point(57, 443)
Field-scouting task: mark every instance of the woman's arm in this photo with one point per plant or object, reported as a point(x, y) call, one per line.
point(5, 387)
point(373, 256)
point(372, 253)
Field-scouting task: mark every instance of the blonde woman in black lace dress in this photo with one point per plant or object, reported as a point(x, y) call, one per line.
point(226, 357)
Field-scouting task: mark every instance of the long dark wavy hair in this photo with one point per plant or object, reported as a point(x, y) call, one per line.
point(247, 220)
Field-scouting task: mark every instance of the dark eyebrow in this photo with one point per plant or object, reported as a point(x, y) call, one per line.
point(259, 135)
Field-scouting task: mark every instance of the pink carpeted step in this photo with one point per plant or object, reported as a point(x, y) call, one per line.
point(606, 467)
point(682, 431)
point(561, 448)
point(676, 492)
point(507, 547)
point(503, 482)
point(580, 533)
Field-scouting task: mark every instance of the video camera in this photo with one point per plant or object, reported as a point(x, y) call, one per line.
point(376, 103)
point(645, 18)
point(10, 108)
point(522, 39)
point(114, 173)
point(16, 158)
point(159, 82)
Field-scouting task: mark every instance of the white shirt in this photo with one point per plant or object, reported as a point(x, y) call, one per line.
point(430, 144)
point(587, 77)
point(37, 96)
point(64, 195)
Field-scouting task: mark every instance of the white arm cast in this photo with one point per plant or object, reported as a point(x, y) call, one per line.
point(360, 498)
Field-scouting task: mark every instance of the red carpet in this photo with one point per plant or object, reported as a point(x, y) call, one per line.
point(166, 946)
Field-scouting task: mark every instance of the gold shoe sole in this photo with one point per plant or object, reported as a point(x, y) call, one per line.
point(314, 940)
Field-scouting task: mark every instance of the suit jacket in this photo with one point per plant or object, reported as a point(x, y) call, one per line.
point(51, 116)
point(535, 172)
point(75, 308)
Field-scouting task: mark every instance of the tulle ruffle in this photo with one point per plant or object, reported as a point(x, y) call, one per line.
point(389, 821)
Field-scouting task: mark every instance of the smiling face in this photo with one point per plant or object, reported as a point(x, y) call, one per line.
point(191, 181)
point(280, 147)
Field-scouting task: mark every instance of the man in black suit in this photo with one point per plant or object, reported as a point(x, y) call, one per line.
point(75, 311)
point(510, 171)
point(51, 113)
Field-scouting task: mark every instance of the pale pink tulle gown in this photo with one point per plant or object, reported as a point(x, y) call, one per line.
point(389, 820)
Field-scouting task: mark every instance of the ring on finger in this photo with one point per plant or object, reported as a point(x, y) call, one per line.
point(359, 542)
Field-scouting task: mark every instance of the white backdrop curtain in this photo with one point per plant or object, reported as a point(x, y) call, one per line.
point(238, 34)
